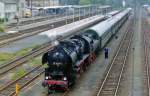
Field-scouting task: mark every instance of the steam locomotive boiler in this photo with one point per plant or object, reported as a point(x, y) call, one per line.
point(68, 59)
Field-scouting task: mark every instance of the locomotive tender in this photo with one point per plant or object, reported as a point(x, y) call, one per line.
point(72, 56)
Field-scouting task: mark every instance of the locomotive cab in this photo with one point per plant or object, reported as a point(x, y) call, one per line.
point(95, 40)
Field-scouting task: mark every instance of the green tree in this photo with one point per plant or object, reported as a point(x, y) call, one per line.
point(85, 2)
point(99, 2)
point(114, 3)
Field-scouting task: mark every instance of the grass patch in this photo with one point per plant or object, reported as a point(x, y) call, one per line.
point(26, 50)
point(8, 56)
point(45, 66)
point(22, 52)
point(34, 62)
point(19, 73)
point(5, 56)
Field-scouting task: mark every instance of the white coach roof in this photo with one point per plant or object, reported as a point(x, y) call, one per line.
point(107, 24)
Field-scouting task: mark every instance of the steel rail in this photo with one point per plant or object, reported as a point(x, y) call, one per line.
point(26, 79)
point(53, 21)
point(18, 80)
point(9, 38)
point(24, 60)
point(111, 82)
point(146, 55)
point(36, 20)
point(14, 24)
point(18, 62)
point(21, 60)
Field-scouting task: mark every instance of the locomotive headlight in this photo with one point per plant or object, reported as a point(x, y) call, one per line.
point(64, 78)
point(46, 77)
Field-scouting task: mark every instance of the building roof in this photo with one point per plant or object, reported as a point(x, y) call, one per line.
point(9, 1)
point(51, 7)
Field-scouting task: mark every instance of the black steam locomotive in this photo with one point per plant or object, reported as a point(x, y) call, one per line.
point(69, 58)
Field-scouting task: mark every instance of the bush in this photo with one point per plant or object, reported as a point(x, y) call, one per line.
point(2, 28)
point(35, 62)
point(2, 20)
point(19, 73)
point(6, 19)
point(85, 2)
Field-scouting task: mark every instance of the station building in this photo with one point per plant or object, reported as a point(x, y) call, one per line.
point(9, 8)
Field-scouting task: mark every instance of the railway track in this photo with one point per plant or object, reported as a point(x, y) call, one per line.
point(59, 94)
point(5, 68)
point(112, 79)
point(40, 19)
point(22, 23)
point(146, 62)
point(30, 76)
point(23, 81)
point(9, 38)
